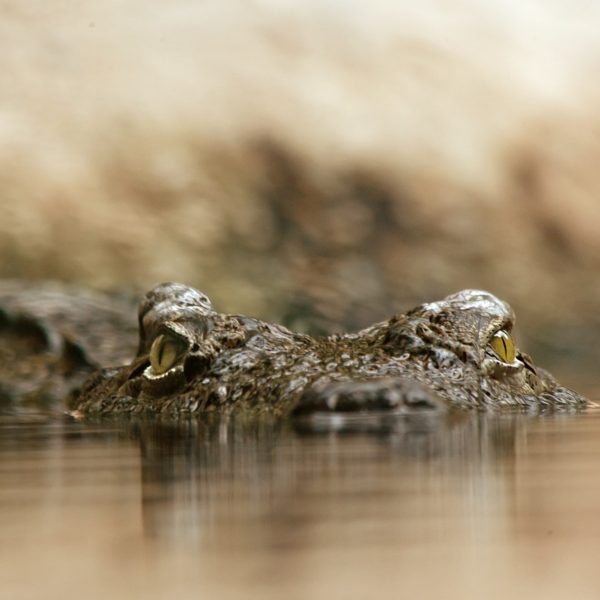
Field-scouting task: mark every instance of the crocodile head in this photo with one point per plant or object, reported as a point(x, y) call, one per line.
point(457, 352)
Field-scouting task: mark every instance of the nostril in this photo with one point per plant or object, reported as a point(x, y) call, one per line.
point(38, 338)
point(378, 394)
point(73, 358)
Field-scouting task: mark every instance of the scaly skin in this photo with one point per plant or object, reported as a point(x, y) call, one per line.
point(436, 356)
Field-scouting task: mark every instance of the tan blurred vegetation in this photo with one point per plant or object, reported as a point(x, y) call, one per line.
point(297, 158)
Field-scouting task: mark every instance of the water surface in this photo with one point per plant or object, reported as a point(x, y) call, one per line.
point(464, 507)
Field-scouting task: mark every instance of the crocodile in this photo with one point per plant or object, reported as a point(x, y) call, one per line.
point(53, 336)
point(456, 353)
point(182, 357)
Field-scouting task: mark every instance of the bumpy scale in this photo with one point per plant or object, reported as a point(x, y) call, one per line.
point(455, 353)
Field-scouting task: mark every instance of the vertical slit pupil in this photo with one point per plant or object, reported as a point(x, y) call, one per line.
point(161, 350)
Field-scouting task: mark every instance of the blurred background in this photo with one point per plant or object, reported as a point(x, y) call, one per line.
point(325, 163)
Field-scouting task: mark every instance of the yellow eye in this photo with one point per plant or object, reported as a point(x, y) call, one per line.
point(164, 352)
point(503, 346)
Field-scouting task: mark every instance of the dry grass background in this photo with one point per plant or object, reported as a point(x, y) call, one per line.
point(340, 158)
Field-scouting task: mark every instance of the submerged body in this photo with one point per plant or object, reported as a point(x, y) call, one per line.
point(457, 352)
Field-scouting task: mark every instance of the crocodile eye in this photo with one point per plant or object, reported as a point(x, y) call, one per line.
point(503, 346)
point(164, 352)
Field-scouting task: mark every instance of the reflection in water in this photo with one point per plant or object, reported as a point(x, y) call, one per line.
point(196, 473)
point(463, 506)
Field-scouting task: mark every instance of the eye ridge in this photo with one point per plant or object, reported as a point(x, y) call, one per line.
point(503, 346)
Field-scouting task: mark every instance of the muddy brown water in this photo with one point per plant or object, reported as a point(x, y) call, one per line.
point(472, 506)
